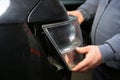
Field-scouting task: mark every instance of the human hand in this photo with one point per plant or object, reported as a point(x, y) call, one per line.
point(92, 58)
point(77, 14)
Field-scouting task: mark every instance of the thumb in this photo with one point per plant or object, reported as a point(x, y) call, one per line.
point(82, 50)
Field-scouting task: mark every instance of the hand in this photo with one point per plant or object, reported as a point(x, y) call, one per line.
point(92, 58)
point(77, 14)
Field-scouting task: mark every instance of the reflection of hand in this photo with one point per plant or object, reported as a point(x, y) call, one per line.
point(92, 59)
point(77, 14)
point(69, 58)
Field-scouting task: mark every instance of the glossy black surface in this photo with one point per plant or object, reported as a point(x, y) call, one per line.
point(16, 11)
point(24, 49)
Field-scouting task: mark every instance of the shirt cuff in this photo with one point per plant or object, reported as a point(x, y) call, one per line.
point(106, 52)
point(84, 13)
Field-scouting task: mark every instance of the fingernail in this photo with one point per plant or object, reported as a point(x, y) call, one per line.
point(77, 48)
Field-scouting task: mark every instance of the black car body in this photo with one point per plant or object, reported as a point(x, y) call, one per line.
point(24, 49)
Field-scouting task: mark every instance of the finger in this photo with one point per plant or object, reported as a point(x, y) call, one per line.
point(82, 50)
point(68, 12)
point(81, 65)
point(85, 69)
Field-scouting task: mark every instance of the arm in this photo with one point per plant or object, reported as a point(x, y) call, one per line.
point(86, 11)
point(111, 49)
point(95, 55)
